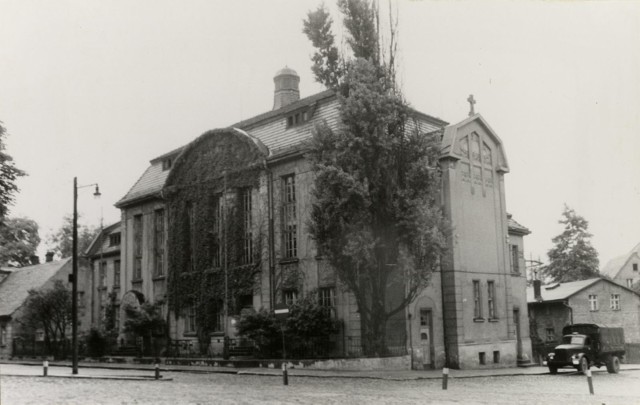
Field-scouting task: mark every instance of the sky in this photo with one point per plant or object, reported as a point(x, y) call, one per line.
point(95, 89)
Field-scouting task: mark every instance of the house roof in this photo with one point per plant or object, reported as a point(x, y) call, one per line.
point(562, 291)
point(613, 266)
point(515, 227)
point(150, 184)
point(100, 238)
point(14, 290)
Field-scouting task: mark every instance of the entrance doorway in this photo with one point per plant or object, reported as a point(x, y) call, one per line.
point(426, 341)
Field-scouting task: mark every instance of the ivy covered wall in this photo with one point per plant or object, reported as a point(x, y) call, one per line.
point(215, 221)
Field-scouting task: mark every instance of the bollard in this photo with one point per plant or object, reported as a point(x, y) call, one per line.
point(157, 371)
point(285, 376)
point(45, 368)
point(445, 377)
point(588, 373)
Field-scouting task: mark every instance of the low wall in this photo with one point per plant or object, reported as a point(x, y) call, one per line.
point(385, 363)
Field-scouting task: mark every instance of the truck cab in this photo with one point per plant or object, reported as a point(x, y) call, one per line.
point(586, 345)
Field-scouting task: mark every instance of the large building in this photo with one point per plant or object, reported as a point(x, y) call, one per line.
point(228, 213)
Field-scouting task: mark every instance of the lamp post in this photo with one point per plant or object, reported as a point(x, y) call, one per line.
point(74, 275)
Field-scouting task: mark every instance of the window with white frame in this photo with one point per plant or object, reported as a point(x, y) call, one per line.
point(477, 300)
point(491, 299)
point(290, 297)
point(593, 302)
point(289, 217)
point(629, 282)
point(137, 247)
point(327, 297)
point(158, 242)
point(615, 302)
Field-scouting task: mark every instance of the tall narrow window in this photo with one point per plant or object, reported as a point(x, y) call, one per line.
point(551, 335)
point(137, 247)
point(615, 302)
point(491, 299)
point(629, 282)
point(477, 303)
point(189, 223)
point(327, 297)
point(190, 320)
point(515, 259)
point(116, 274)
point(158, 242)
point(217, 231)
point(102, 275)
point(289, 217)
point(593, 302)
point(247, 238)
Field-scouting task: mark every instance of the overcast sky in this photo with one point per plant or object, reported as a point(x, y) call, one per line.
point(95, 89)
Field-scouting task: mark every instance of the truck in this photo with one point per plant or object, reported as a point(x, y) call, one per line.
point(585, 345)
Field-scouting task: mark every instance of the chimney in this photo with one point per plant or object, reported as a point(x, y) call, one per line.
point(49, 257)
point(34, 259)
point(286, 92)
point(537, 293)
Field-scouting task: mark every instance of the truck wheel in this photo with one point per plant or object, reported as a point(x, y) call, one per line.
point(583, 366)
point(553, 370)
point(613, 365)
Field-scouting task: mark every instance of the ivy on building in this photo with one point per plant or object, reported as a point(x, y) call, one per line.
point(207, 242)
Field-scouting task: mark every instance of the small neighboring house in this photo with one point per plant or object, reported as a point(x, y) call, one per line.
point(104, 258)
point(14, 290)
point(595, 300)
point(624, 269)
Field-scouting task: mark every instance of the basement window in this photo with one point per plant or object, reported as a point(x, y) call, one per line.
point(496, 357)
point(482, 358)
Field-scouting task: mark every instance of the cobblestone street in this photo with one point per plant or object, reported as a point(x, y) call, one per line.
point(188, 388)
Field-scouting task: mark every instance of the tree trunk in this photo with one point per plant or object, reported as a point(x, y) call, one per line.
point(373, 327)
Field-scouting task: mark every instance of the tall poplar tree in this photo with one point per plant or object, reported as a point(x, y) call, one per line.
point(375, 214)
point(572, 258)
point(9, 174)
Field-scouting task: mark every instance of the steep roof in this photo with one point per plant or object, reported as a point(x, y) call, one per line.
point(563, 291)
point(278, 142)
point(515, 227)
point(100, 240)
point(613, 266)
point(14, 290)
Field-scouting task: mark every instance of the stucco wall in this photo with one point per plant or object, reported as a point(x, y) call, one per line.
point(628, 316)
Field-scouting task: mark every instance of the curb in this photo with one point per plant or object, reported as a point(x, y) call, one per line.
point(92, 377)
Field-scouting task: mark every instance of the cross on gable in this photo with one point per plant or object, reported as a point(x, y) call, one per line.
point(471, 101)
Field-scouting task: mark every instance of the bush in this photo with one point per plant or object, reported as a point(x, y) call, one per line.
point(307, 326)
point(97, 344)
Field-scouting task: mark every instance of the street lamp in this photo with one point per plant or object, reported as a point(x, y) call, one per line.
point(74, 276)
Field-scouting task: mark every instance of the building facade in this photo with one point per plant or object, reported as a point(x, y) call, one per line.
point(624, 269)
point(227, 214)
point(595, 300)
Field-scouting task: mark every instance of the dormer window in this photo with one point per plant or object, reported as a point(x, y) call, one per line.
point(114, 239)
point(167, 163)
point(297, 118)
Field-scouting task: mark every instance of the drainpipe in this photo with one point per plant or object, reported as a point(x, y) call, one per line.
point(565, 303)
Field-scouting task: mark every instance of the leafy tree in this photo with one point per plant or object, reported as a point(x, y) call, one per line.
point(19, 241)
point(146, 320)
point(61, 241)
point(375, 214)
point(9, 174)
point(50, 311)
point(572, 258)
